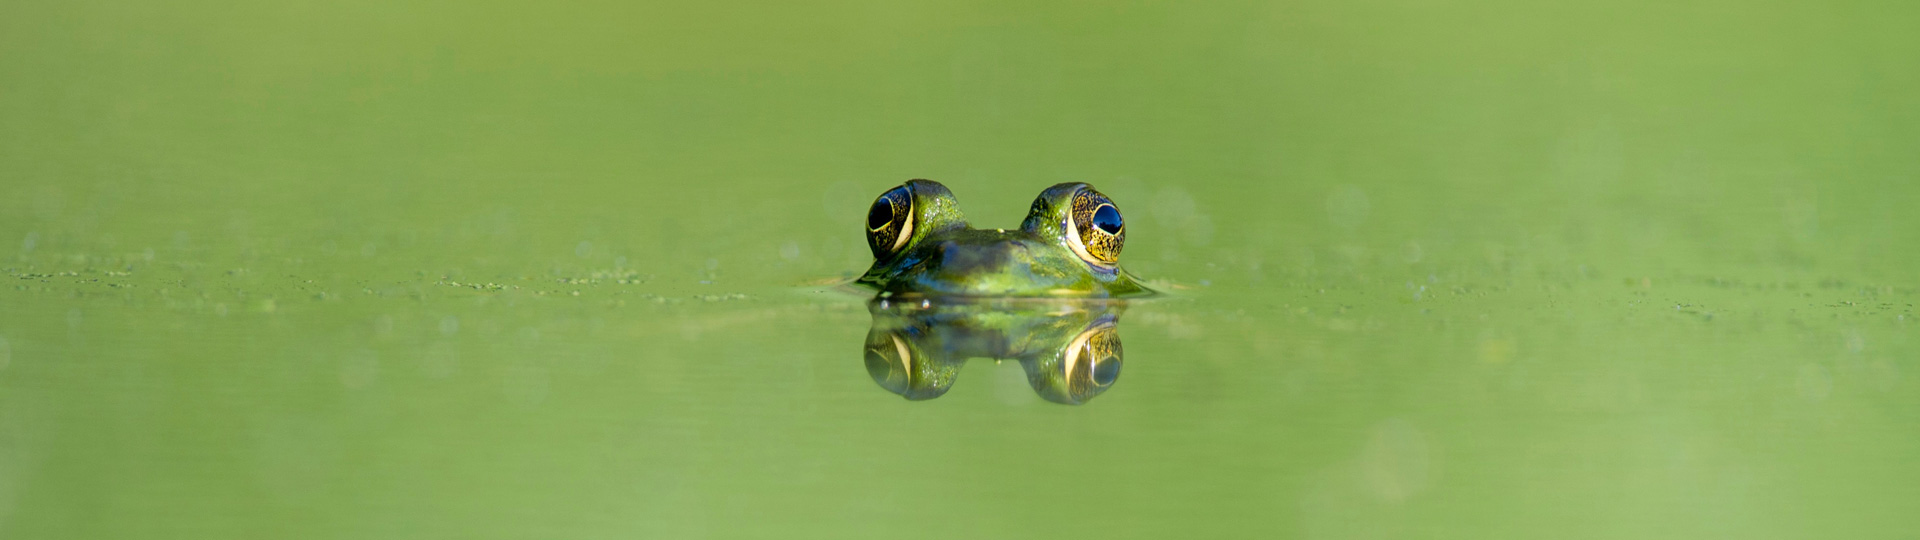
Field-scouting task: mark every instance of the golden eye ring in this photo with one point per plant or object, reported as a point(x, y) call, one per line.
point(890, 222)
point(1095, 230)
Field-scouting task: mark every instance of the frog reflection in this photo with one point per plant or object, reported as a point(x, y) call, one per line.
point(1070, 349)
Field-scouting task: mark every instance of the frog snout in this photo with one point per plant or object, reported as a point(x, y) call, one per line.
point(976, 259)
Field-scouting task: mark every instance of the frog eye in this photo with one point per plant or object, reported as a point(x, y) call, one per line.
point(890, 222)
point(893, 364)
point(1102, 354)
point(1094, 228)
point(1092, 362)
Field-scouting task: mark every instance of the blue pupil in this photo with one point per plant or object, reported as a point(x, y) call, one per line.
point(1107, 219)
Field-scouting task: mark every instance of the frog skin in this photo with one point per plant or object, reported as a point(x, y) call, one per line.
point(1068, 246)
point(1070, 349)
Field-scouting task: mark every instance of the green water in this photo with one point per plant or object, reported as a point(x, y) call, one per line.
point(487, 270)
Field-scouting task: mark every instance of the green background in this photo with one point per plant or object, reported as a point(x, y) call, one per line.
point(1485, 269)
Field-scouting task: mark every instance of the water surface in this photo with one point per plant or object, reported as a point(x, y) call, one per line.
point(1473, 270)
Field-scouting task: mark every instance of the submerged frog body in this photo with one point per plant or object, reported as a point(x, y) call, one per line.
point(1068, 246)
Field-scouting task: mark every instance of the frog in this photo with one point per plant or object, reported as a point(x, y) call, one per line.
point(1067, 247)
point(1069, 348)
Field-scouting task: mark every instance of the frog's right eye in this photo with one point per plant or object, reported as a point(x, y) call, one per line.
point(890, 222)
point(1088, 366)
point(1093, 357)
point(1094, 229)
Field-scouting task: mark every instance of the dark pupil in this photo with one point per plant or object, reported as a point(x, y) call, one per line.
point(880, 214)
point(1104, 373)
point(1107, 219)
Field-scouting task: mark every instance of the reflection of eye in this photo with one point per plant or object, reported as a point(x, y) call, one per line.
point(1104, 350)
point(1105, 372)
point(890, 222)
point(1095, 228)
point(890, 362)
point(1098, 349)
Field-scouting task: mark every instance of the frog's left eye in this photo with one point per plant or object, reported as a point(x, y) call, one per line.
point(890, 222)
point(1095, 229)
